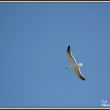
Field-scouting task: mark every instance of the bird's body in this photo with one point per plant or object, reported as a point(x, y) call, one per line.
point(74, 66)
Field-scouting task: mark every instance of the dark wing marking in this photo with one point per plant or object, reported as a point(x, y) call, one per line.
point(78, 72)
point(70, 56)
point(81, 77)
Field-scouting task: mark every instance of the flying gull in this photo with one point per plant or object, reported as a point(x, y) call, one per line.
point(74, 65)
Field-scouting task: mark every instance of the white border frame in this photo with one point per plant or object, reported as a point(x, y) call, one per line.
point(54, 2)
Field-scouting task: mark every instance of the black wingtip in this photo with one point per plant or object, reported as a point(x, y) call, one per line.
point(68, 48)
point(82, 78)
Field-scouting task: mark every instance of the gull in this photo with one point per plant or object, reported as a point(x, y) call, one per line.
point(74, 65)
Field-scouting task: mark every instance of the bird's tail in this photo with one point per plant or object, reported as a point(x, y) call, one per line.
point(69, 67)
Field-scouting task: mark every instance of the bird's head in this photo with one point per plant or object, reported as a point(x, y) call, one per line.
point(80, 64)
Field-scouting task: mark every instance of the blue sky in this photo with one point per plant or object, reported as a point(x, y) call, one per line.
point(33, 60)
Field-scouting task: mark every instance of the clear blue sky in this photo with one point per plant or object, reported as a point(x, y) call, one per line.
point(33, 60)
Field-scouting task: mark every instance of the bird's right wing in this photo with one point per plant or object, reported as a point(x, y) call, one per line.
point(70, 56)
point(78, 72)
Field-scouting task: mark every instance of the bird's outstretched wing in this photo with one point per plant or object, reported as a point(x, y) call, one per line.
point(78, 72)
point(70, 56)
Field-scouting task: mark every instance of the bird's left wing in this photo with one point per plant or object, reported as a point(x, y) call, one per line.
point(70, 56)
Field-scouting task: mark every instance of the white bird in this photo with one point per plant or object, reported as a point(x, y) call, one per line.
point(74, 65)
